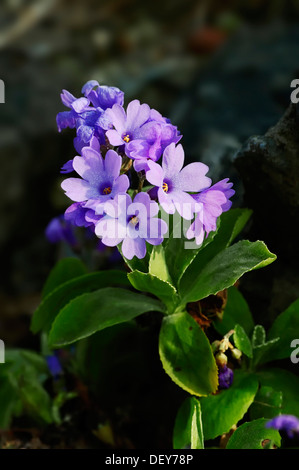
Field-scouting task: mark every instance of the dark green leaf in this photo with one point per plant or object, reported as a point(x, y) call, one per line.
point(225, 269)
point(93, 312)
point(236, 311)
point(254, 435)
point(187, 432)
point(49, 308)
point(186, 355)
point(65, 270)
point(286, 327)
point(262, 348)
point(267, 403)
point(221, 411)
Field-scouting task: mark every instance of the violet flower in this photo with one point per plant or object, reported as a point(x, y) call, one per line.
point(225, 377)
point(211, 202)
point(173, 181)
point(59, 229)
point(101, 179)
point(285, 423)
point(132, 224)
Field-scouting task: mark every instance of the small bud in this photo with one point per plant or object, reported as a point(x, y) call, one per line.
point(221, 359)
point(215, 345)
point(236, 353)
point(224, 345)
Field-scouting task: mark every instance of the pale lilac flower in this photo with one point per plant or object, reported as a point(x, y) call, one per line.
point(132, 224)
point(100, 179)
point(210, 204)
point(174, 182)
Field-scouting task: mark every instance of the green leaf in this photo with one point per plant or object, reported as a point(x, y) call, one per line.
point(49, 308)
point(236, 311)
point(262, 349)
point(10, 402)
point(65, 270)
point(285, 382)
point(267, 403)
point(186, 355)
point(221, 411)
point(188, 432)
point(242, 341)
point(93, 312)
point(136, 263)
point(225, 269)
point(286, 327)
point(157, 264)
point(179, 257)
point(229, 226)
point(161, 289)
point(253, 436)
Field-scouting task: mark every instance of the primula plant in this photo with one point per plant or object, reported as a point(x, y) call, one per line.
point(182, 253)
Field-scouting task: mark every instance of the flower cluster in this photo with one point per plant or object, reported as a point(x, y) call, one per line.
point(112, 142)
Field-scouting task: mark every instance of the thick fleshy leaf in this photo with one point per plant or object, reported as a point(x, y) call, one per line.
point(59, 297)
point(286, 327)
point(225, 269)
point(241, 340)
point(96, 311)
point(254, 435)
point(267, 403)
point(186, 355)
point(187, 433)
point(285, 382)
point(221, 411)
point(146, 282)
point(65, 270)
point(236, 311)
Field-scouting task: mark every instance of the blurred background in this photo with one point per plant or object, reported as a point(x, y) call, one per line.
point(219, 69)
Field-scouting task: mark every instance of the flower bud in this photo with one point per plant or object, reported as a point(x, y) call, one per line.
point(236, 353)
point(215, 345)
point(221, 359)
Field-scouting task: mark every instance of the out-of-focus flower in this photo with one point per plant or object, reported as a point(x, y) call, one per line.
point(285, 423)
point(225, 377)
point(59, 230)
point(54, 366)
point(173, 181)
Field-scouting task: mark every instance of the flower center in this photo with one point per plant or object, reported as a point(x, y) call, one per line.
point(134, 220)
point(126, 138)
point(107, 190)
point(165, 187)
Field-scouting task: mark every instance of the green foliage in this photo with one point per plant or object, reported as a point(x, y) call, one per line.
point(221, 411)
point(188, 433)
point(241, 340)
point(267, 403)
point(236, 311)
point(186, 355)
point(254, 435)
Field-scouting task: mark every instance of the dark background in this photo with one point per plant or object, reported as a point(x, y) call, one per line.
point(220, 70)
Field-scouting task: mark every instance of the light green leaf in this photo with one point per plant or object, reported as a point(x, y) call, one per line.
point(188, 432)
point(157, 264)
point(254, 435)
point(221, 411)
point(262, 348)
point(242, 341)
point(186, 355)
point(161, 289)
point(93, 312)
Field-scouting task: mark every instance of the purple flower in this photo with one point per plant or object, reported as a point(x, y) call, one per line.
point(81, 216)
point(102, 96)
point(132, 224)
point(60, 230)
point(54, 366)
point(210, 203)
point(225, 377)
point(126, 125)
point(173, 181)
point(68, 166)
point(286, 423)
point(100, 178)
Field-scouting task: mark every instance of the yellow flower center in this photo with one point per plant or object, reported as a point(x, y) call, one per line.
point(126, 138)
point(134, 220)
point(165, 187)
